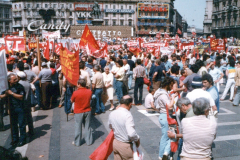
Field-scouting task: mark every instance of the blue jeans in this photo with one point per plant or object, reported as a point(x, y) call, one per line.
point(18, 123)
point(37, 92)
point(138, 88)
point(165, 141)
point(180, 144)
point(99, 104)
point(119, 91)
point(67, 100)
point(130, 77)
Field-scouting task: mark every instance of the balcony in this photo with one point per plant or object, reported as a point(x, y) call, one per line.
point(16, 9)
point(17, 26)
point(17, 16)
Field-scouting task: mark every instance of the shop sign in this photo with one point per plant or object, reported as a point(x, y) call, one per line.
point(157, 10)
point(119, 10)
point(84, 22)
point(84, 14)
point(48, 26)
point(151, 24)
point(81, 6)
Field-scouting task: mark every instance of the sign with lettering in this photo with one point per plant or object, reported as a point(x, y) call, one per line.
point(119, 10)
point(102, 31)
point(70, 65)
point(153, 10)
point(83, 14)
point(48, 26)
point(81, 6)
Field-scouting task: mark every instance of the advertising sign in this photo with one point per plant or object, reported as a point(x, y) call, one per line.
point(119, 11)
point(47, 34)
point(81, 6)
point(153, 10)
point(103, 31)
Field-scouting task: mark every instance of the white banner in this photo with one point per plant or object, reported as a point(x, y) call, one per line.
point(3, 72)
point(48, 35)
point(2, 41)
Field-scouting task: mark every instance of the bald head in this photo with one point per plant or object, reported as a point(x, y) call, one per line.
point(124, 61)
point(126, 100)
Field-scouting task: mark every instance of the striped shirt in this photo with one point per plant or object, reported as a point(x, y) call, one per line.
point(198, 135)
point(139, 71)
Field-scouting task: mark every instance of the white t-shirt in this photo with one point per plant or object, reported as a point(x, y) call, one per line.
point(200, 93)
point(126, 68)
point(148, 100)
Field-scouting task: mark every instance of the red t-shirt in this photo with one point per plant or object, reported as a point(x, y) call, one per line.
point(81, 99)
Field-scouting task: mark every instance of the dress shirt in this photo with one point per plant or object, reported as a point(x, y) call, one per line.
point(121, 121)
point(139, 71)
point(198, 136)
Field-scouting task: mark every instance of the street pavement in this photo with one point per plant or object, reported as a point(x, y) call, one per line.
point(54, 134)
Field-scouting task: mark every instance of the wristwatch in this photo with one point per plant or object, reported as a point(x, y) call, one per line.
point(12, 93)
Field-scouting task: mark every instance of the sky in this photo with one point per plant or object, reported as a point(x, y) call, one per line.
point(192, 10)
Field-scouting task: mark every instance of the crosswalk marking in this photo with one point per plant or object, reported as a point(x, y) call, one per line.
point(228, 137)
point(228, 123)
point(227, 112)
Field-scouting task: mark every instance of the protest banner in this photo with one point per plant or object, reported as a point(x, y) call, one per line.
point(70, 65)
point(3, 71)
point(48, 35)
point(12, 43)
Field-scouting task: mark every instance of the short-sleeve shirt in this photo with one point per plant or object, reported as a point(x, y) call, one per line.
point(30, 75)
point(188, 80)
point(161, 100)
point(131, 64)
point(98, 80)
point(81, 99)
point(45, 75)
point(17, 89)
point(200, 93)
point(148, 100)
point(120, 72)
point(215, 73)
point(159, 69)
point(27, 88)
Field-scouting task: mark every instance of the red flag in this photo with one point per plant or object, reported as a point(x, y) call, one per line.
point(166, 35)
point(135, 51)
point(177, 38)
point(105, 149)
point(98, 53)
point(179, 31)
point(46, 51)
point(166, 44)
point(88, 38)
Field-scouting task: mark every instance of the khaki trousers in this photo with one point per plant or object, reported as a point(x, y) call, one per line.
point(122, 151)
point(156, 85)
point(185, 158)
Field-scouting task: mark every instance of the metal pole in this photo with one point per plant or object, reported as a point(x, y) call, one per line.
point(38, 54)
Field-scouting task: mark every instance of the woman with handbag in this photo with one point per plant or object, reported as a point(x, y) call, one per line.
point(108, 85)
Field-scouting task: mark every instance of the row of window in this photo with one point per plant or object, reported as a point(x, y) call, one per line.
point(18, 6)
point(114, 23)
point(158, 28)
point(5, 13)
point(37, 13)
point(121, 14)
point(114, 7)
point(152, 14)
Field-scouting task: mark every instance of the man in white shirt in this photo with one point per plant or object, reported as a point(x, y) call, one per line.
point(121, 122)
point(192, 60)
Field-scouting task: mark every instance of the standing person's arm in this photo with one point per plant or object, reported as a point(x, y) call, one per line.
point(132, 134)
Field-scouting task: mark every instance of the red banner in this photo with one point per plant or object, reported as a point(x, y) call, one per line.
point(12, 43)
point(70, 65)
point(217, 44)
point(46, 51)
point(135, 51)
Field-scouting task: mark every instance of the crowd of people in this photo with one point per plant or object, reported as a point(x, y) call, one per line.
point(194, 82)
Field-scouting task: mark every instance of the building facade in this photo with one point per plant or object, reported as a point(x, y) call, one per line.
point(71, 13)
point(207, 23)
point(155, 17)
point(226, 18)
point(5, 18)
point(177, 22)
